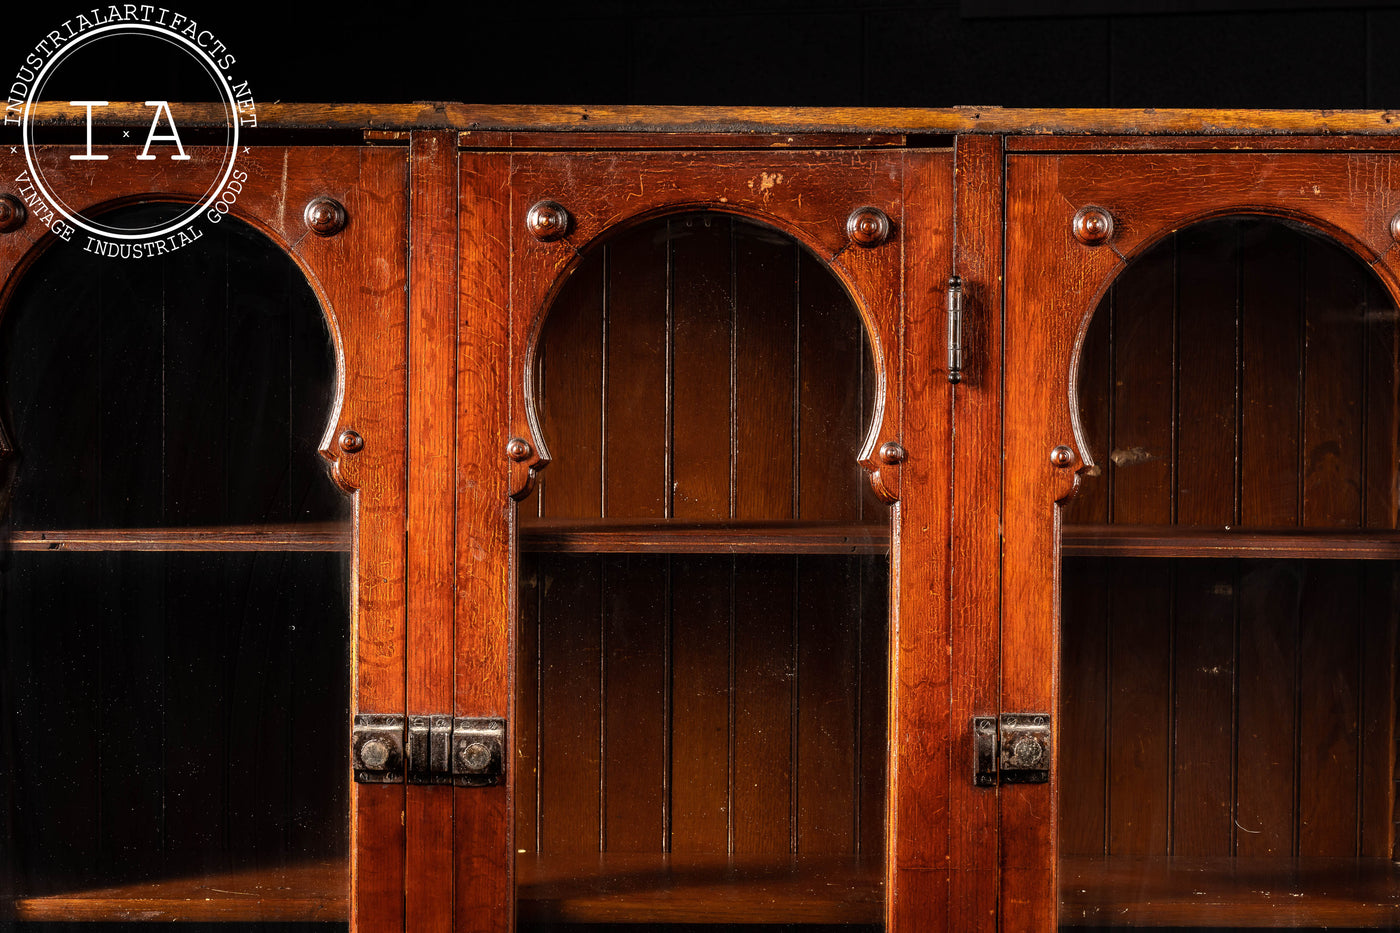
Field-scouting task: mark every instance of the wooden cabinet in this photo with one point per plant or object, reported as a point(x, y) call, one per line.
point(647, 447)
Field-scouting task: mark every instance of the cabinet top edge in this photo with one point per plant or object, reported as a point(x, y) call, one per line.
point(469, 118)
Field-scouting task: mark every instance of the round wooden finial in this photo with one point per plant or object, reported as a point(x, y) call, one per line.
point(325, 216)
point(1062, 456)
point(351, 442)
point(547, 220)
point(12, 213)
point(868, 227)
point(518, 449)
point(1093, 225)
point(892, 453)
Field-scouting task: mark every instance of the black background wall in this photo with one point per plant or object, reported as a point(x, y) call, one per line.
point(1084, 53)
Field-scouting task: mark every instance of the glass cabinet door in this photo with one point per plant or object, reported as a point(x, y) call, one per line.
point(1229, 600)
point(704, 578)
point(175, 591)
point(1225, 584)
point(704, 404)
point(202, 460)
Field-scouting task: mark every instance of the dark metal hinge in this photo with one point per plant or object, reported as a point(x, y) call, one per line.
point(438, 749)
point(1016, 750)
point(955, 314)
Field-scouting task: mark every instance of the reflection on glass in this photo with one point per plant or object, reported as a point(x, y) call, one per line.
point(173, 592)
point(1229, 593)
point(703, 624)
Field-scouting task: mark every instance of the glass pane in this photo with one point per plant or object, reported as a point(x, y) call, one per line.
point(1230, 592)
point(704, 582)
point(174, 592)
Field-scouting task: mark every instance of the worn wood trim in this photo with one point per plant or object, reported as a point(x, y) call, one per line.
point(921, 742)
point(484, 897)
point(1292, 142)
point(975, 546)
point(858, 120)
point(432, 399)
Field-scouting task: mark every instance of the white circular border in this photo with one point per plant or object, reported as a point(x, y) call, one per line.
point(58, 205)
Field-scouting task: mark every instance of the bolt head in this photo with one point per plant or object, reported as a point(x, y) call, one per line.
point(374, 754)
point(474, 758)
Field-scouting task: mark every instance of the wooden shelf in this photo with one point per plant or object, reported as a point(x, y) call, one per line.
point(317, 891)
point(653, 888)
point(601, 536)
point(1183, 541)
point(1243, 892)
point(311, 536)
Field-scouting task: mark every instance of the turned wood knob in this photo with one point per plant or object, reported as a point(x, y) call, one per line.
point(1093, 226)
point(351, 442)
point(547, 220)
point(12, 213)
point(1394, 226)
point(518, 449)
point(325, 216)
point(867, 227)
point(1062, 456)
point(892, 453)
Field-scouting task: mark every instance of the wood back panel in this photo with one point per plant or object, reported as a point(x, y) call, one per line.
point(1241, 373)
point(703, 367)
point(703, 704)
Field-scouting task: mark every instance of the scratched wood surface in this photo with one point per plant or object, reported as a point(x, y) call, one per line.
point(483, 888)
point(855, 120)
point(432, 343)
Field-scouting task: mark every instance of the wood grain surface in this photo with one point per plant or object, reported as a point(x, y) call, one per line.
point(653, 119)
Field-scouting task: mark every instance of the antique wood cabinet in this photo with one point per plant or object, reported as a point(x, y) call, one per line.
point(515, 518)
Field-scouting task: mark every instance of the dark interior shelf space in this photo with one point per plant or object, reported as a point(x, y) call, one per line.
point(1226, 892)
point(1193, 541)
point(309, 536)
point(310, 891)
point(655, 888)
point(603, 536)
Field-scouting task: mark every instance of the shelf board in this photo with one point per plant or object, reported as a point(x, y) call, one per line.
point(655, 888)
point(601, 536)
point(1185, 541)
point(310, 536)
point(1225, 892)
point(313, 891)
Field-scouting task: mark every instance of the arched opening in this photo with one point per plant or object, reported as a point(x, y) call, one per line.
point(174, 587)
point(1229, 590)
point(701, 712)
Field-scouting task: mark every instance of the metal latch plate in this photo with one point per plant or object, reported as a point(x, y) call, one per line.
point(1025, 748)
point(428, 749)
point(1015, 749)
point(376, 748)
